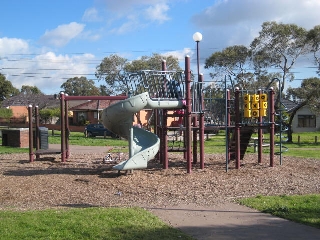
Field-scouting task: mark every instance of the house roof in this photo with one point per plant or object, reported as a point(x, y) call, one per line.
point(94, 105)
point(289, 105)
point(40, 100)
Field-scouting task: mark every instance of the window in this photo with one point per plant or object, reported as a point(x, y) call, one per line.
point(307, 121)
point(82, 117)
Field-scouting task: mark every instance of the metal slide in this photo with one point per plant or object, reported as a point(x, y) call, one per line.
point(143, 145)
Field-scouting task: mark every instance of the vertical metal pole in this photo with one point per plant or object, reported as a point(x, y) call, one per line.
point(62, 127)
point(272, 125)
point(130, 139)
point(201, 126)
point(188, 114)
point(227, 123)
point(30, 134)
point(198, 60)
point(237, 127)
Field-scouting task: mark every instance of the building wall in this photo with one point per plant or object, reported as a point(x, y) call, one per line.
point(19, 111)
point(304, 111)
point(15, 137)
point(145, 115)
point(19, 114)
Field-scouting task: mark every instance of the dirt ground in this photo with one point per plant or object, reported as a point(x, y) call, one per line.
point(201, 203)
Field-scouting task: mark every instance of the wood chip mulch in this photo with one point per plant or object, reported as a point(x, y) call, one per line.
point(86, 181)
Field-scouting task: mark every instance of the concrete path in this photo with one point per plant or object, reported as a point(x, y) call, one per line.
point(232, 221)
point(83, 149)
point(223, 221)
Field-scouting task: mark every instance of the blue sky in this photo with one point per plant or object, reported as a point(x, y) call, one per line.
point(43, 43)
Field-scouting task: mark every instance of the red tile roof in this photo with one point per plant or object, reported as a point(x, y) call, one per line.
point(94, 105)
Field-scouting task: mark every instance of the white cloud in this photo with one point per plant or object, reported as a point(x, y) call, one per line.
point(129, 15)
point(12, 46)
point(128, 5)
point(131, 24)
point(157, 12)
point(231, 12)
point(181, 54)
point(91, 15)
point(62, 34)
point(48, 71)
point(234, 22)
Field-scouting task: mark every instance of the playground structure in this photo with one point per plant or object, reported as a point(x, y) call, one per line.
point(246, 113)
point(251, 112)
point(170, 90)
point(160, 90)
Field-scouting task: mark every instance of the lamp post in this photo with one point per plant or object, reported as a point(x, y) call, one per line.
point(197, 37)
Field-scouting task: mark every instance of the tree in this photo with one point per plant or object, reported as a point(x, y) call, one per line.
point(6, 113)
point(111, 69)
point(80, 87)
point(115, 69)
point(104, 91)
point(6, 88)
point(279, 46)
point(308, 94)
point(232, 61)
point(48, 114)
point(313, 38)
point(30, 90)
point(153, 63)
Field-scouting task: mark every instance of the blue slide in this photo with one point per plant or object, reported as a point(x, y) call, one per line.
point(143, 145)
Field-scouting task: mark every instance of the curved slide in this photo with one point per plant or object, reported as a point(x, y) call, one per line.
point(143, 145)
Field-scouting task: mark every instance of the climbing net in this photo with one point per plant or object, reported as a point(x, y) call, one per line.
point(159, 84)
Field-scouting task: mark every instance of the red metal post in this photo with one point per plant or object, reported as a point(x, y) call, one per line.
point(67, 128)
point(164, 130)
point(260, 131)
point(272, 125)
point(62, 127)
point(188, 113)
point(237, 127)
point(195, 138)
point(160, 134)
point(37, 132)
point(165, 139)
point(30, 134)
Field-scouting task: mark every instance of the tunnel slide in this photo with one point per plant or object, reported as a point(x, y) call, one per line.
point(143, 145)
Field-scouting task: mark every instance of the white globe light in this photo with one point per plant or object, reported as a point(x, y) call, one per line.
point(197, 37)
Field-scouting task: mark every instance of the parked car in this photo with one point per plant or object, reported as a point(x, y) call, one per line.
point(93, 130)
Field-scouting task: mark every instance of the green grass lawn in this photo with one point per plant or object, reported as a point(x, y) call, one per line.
point(86, 223)
point(135, 223)
point(77, 138)
point(302, 209)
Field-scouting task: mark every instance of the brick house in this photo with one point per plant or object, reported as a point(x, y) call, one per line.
point(19, 105)
point(90, 112)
